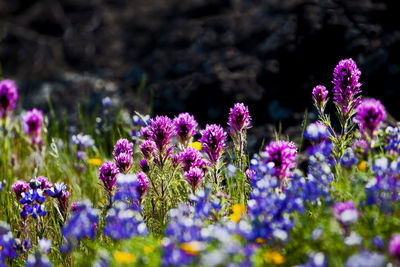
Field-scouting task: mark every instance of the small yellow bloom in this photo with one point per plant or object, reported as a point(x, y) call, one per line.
point(148, 249)
point(192, 247)
point(260, 240)
point(362, 166)
point(235, 217)
point(274, 257)
point(124, 257)
point(196, 145)
point(238, 210)
point(1, 247)
point(95, 161)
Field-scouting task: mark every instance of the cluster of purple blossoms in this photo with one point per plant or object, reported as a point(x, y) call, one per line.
point(144, 165)
point(393, 139)
point(194, 176)
point(320, 97)
point(138, 123)
point(40, 258)
point(143, 183)
point(360, 147)
point(161, 131)
point(32, 196)
point(190, 157)
point(108, 175)
point(383, 190)
point(123, 155)
point(239, 121)
point(394, 246)
point(317, 132)
point(366, 259)
point(345, 212)
point(283, 154)
point(82, 224)
point(348, 158)
point(370, 114)
point(147, 147)
point(8, 97)
point(59, 192)
point(185, 127)
point(32, 125)
point(213, 140)
point(346, 90)
point(123, 218)
point(7, 243)
point(82, 142)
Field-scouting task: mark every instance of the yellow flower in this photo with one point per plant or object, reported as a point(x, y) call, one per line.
point(274, 257)
point(362, 166)
point(260, 240)
point(192, 247)
point(1, 247)
point(196, 145)
point(238, 210)
point(148, 249)
point(124, 257)
point(95, 161)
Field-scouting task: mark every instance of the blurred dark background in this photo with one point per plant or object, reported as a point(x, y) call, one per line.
point(199, 56)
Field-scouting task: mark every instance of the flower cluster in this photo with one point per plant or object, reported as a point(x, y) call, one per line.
point(213, 140)
point(7, 241)
point(346, 88)
point(8, 97)
point(82, 142)
point(32, 125)
point(161, 130)
point(320, 97)
point(185, 127)
point(123, 155)
point(345, 212)
point(393, 139)
point(370, 114)
point(239, 120)
point(283, 154)
point(138, 122)
point(108, 175)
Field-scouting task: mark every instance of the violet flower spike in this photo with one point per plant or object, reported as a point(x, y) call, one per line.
point(185, 127)
point(108, 174)
point(283, 154)
point(20, 187)
point(162, 130)
point(8, 97)
point(143, 183)
point(370, 114)
point(123, 146)
point(320, 97)
point(32, 125)
point(193, 177)
point(239, 119)
point(346, 90)
point(213, 142)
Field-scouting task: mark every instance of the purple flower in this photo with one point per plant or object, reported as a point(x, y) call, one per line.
point(360, 147)
point(162, 130)
point(145, 133)
point(370, 114)
point(317, 132)
point(44, 182)
point(346, 88)
point(185, 127)
point(283, 154)
point(213, 140)
point(108, 174)
point(82, 141)
point(20, 187)
point(8, 97)
point(144, 166)
point(62, 202)
point(147, 148)
point(32, 124)
point(345, 212)
point(394, 246)
point(348, 159)
point(250, 174)
point(57, 190)
point(193, 177)
point(123, 162)
point(239, 119)
point(320, 94)
point(190, 157)
point(123, 146)
point(143, 183)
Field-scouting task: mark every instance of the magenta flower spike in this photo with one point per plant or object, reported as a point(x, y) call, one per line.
point(370, 114)
point(8, 97)
point(283, 154)
point(185, 127)
point(394, 246)
point(108, 174)
point(161, 130)
point(213, 142)
point(320, 97)
point(143, 183)
point(239, 119)
point(32, 125)
point(193, 177)
point(20, 187)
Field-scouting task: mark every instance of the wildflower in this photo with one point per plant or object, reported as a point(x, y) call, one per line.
point(7, 241)
point(190, 157)
point(353, 239)
point(147, 148)
point(366, 259)
point(317, 132)
point(95, 162)
point(123, 162)
point(362, 166)
point(106, 102)
point(378, 242)
point(193, 177)
point(143, 183)
point(196, 145)
point(8, 97)
point(44, 182)
point(213, 140)
point(185, 127)
point(283, 154)
point(108, 174)
point(123, 146)
point(250, 174)
point(239, 120)
point(393, 139)
point(57, 190)
point(144, 165)
point(345, 212)
point(20, 187)
point(394, 246)
point(360, 148)
point(346, 88)
point(161, 129)
point(124, 257)
point(274, 257)
point(320, 94)
point(148, 249)
point(237, 211)
point(2, 184)
point(370, 114)
point(348, 159)
point(44, 245)
point(32, 125)
point(192, 248)
point(82, 141)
